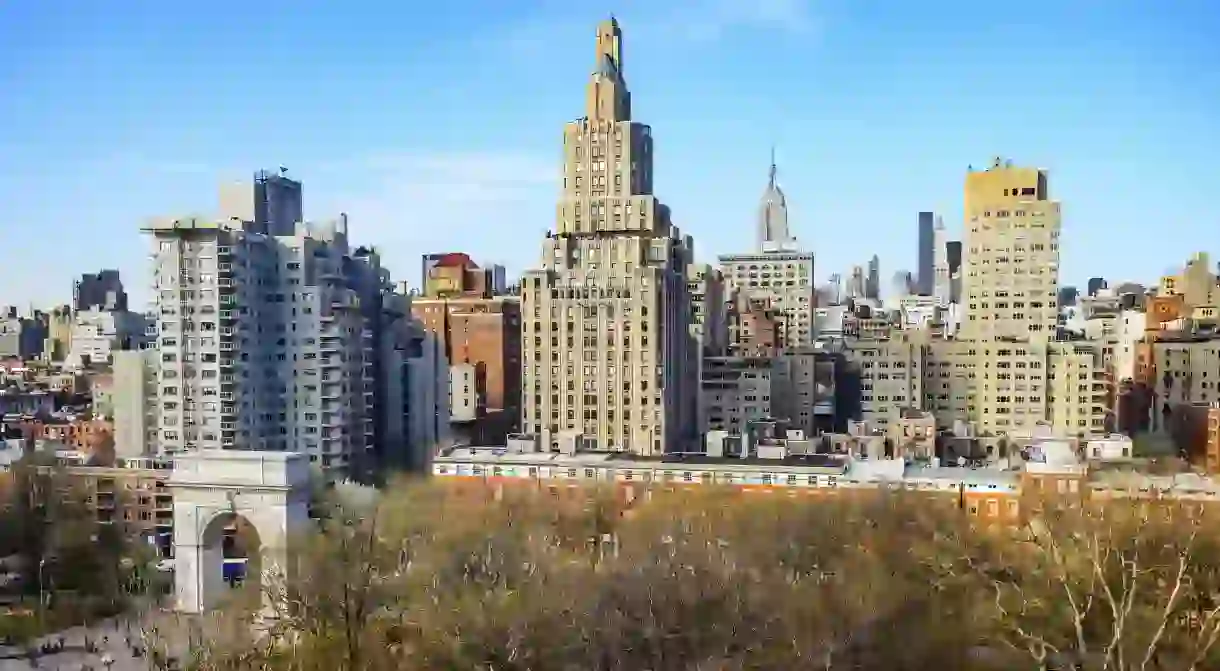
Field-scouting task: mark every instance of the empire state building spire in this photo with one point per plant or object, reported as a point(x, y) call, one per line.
point(773, 215)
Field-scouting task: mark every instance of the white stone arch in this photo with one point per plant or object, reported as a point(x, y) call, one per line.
point(270, 490)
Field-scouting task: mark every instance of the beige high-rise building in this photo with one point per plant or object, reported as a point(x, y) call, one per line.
point(1004, 373)
point(1012, 254)
point(606, 318)
point(1021, 377)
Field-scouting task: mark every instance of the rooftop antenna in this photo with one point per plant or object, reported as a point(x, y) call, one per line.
point(771, 174)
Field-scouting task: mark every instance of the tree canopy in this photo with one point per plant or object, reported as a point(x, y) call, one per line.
point(717, 580)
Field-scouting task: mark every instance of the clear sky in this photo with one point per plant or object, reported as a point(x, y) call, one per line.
point(437, 125)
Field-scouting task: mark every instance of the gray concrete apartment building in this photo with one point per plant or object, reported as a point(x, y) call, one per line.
point(294, 341)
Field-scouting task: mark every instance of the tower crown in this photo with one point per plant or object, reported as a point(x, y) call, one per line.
point(608, 98)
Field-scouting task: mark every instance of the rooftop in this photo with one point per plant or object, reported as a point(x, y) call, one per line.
point(864, 470)
point(455, 260)
point(970, 476)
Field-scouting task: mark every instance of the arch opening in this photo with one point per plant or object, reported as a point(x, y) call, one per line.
point(230, 559)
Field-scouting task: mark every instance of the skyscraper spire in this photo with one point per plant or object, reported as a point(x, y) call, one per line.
point(607, 98)
point(773, 214)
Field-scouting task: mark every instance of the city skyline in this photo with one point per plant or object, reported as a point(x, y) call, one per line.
point(856, 106)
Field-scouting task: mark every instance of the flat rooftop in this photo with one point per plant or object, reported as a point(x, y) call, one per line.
point(853, 469)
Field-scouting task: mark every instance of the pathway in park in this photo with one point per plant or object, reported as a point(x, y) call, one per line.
point(117, 645)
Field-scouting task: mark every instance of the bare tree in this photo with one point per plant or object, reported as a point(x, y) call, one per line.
point(426, 579)
point(1108, 586)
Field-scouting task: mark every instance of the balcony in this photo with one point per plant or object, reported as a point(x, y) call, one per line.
point(345, 302)
point(333, 420)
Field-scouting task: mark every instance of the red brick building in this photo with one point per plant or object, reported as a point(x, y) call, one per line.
point(481, 335)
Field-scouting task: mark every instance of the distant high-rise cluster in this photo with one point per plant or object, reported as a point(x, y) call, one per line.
point(270, 332)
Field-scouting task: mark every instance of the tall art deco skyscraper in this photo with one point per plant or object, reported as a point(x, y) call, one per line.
point(605, 316)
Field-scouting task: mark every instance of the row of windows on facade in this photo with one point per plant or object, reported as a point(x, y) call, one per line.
point(595, 182)
point(597, 148)
point(591, 415)
point(599, 372)
point(184, 265)
point(588, 294)
point(607, 340)
point(190, 405)
point(590, 324)
point(608, 309)
point(729, 478)
point(750, 398)
point(591, 258)
point(592, 356)
point(593, 398)
point(1012, 213)
point(776, 283)
point(271, 382)
point(640, 387)
point(1013, 318)
point(1034, 247)
point(203, 248)
point(177, 274)
point(1022, 268)
point(253, 271)
point(1083, 423)
point(621, 432)
point(753, 269)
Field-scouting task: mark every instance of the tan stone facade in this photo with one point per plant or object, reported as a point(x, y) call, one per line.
point(606, 314)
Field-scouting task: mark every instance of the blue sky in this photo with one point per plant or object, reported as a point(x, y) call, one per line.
point(437, 126)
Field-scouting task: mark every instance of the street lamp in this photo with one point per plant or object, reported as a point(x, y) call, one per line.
point(42, 593)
